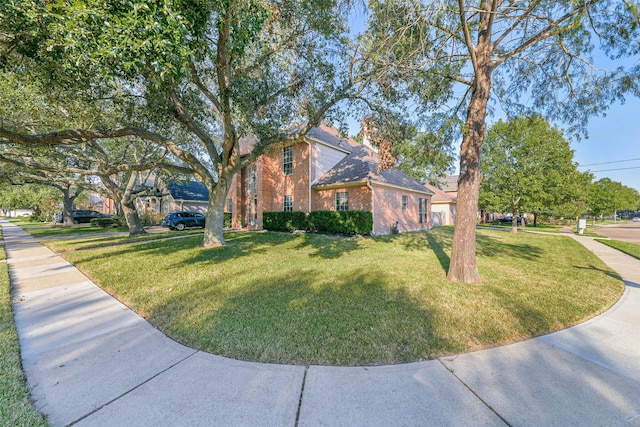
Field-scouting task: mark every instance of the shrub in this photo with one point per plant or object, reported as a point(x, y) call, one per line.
point(284, 221)
point(113, 221)
point(343, 222)
point(227, 220)
point(151, 219)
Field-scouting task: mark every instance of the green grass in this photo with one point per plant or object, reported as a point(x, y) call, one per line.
point(314, 299)
point(626, 247)
point(39, 230)
point(15, 406)
point(93, 242)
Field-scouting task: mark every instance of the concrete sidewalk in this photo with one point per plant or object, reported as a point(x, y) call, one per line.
point(90, 361)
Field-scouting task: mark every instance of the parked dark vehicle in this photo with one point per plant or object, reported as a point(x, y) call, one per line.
point(509, 220)
point(182, 220)
point(82, 216)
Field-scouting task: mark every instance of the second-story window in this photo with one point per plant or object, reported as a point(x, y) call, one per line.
point(404, 202)
point(342, 201)
point(287, 160)
point(287, 204)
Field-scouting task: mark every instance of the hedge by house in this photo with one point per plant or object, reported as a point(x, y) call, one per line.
point(284, 221)
point(110, 222)
point(344, 222)
point(227, 220)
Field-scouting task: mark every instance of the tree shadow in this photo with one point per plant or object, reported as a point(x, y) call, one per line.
point(355, 319)
point(329, 246)
point(609, 273)
point(438, 248)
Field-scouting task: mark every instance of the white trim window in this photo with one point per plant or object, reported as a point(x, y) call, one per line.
point(423, 211)
point(287, 204)
point(287, 160)
point(405, 200)
point(342, 201)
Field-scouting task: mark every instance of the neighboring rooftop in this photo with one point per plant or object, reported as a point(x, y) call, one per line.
point(364, 165)
point(449, 183)
point(440, 196)
point(188, 190)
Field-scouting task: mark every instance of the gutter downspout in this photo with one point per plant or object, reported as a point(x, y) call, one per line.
point(373, 207)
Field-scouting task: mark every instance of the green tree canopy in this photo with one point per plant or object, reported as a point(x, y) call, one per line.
point(527, 166)
point(607, 196)
point(192, 77)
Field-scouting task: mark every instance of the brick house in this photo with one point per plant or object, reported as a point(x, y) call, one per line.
point(327, 172)
point(443, 206)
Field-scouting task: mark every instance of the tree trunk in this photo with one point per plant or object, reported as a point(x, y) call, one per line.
point(67, 207)
point(133, 219)
point(463, 266)
point(213, 232)
point(514, 221)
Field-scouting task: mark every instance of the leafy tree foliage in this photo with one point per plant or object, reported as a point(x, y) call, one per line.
point(536, 56)
point(606, 197)
point(527, 166)
point(193, 77)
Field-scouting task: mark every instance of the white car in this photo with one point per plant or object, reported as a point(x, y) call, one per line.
point(636, 219)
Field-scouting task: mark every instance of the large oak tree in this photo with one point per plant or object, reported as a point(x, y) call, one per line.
point(527, 56)
point(192, 77)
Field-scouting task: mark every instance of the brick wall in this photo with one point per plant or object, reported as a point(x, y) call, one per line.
point(359, 199)
point(388, 209)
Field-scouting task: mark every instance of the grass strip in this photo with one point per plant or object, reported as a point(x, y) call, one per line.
point(626, 247)
point(87, 242)
point(317, 299)
point(16, 408)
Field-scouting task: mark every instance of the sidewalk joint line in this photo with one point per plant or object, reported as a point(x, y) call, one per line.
point(133, 389)
point(304, 380)
point(485, 403)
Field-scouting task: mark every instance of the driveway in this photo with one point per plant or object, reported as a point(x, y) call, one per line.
point(627, 232)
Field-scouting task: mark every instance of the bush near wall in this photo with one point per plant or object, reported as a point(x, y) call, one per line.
point(343, 222)
point(227, 220)
point(111, 222)
point(284, 221)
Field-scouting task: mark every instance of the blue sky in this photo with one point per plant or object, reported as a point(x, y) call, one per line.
point(613, 138)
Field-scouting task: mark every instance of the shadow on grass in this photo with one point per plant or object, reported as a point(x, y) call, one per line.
point(329, 247)
point(357, 319)
point(609, 273)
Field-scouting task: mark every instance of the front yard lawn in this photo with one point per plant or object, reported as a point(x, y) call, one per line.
point(317, 299)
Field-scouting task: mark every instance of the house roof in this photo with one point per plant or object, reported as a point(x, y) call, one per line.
point(188, 190)
point(331, 136)
point(449, 183)
point(440, 196)
point(363, 165)
point(323, 133)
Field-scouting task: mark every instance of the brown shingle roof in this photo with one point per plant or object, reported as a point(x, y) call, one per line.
point(363, 165)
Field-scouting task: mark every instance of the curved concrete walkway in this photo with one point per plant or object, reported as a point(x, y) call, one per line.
point(90, 361)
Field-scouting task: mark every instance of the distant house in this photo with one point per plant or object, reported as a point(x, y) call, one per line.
point(185, 196)
point(325, 171)
point(443, 206)
point(449, 185)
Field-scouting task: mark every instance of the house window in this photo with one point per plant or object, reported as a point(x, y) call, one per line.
point(254, 179)
point(287, 204)
point(230, 205)
point(404, 203)
point(423, 211)
point(342, 201)
point(287, 160)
